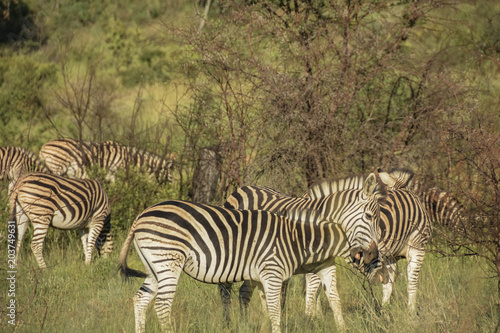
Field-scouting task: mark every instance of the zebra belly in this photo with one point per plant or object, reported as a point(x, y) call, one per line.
point(62, 221)
point(216, 273)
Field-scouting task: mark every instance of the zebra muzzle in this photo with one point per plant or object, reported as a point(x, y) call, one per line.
point(367, 255)
point(356, 254)
point(371, 253)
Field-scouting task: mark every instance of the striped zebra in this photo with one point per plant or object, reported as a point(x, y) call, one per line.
point(63, 203)
point(404, 231)
point(443, 207)
point(219, 245)
point(16, 162)
point(333, 206)
point(68, 157)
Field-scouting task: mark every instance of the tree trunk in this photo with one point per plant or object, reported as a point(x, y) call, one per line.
point(206, 176)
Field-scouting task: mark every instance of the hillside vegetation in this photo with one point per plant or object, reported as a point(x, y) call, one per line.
point(285, 93)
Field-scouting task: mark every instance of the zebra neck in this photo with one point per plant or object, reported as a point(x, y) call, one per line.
point(333, 206)
point(316, 238)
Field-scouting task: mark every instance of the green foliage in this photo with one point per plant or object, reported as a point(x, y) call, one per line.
point(23, 84)
point(132, 191)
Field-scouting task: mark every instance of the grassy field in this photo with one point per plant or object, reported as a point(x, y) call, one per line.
point(454, 296)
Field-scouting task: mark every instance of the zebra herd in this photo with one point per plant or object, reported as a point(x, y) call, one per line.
point(260, 236)
point(49, 190)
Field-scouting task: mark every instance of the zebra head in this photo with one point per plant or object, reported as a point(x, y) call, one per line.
point(397, 178)
point(357, 210)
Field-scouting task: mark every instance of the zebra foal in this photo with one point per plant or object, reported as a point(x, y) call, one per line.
point(63, 203)
point(218, 245)
point(69, 157)
point(16, 162)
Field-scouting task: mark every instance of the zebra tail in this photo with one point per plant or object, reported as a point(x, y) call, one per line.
point(125, 271)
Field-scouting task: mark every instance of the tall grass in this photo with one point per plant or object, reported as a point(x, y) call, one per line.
point(454, 295)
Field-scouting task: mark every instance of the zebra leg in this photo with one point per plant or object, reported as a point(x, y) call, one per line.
point(104, 243)
point(312, 286)
point(245, 294)
point(91, 240)
point(40, 226)
point(84, 235)
point(168, 277)
point(22, 222)
point(415, 259)
point(225, 295)
point(263, 300)
point(271, 288)
point(328, 277)
point(144, 295)
point(387, 288)
point(284, 288)
point(142, 299)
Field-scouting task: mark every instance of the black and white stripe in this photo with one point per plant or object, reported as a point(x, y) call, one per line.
point(443, 208)
point(219, 245)
point(355, 203)
point(68, 157)
point(404, 232)
point(62, 203)
point(16, 162)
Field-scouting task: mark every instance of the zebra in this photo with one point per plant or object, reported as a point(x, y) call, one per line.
point(219, 245)
point(332, 206)
point(15, 162)
point(443, 207)
point(63, 203)
point(404, 231)
point(69, 157)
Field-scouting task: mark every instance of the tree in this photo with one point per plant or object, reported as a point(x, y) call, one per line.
point(320, 88)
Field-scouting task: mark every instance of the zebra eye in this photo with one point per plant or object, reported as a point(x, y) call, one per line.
point(368, 216)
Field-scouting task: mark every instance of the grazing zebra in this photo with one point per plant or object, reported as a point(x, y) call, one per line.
point(404, 232)
point(15, 162)
point(68, 157)
point(444, 208)
point(63, 203)
point(219, 245)
point(334, 207)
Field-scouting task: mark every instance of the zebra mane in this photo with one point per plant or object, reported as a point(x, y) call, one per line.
point(397, 178)
point(326, 187)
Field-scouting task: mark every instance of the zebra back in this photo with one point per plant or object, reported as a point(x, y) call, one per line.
point(72, 157)
point(154, 164)
point(263, 198)
point(443, 207)
point(324, 188)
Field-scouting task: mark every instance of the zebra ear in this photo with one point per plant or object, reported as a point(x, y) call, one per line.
point(370, 184)
point(374, 187)
point(387, 179)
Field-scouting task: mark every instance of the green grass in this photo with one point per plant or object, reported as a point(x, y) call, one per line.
point(454, 296)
